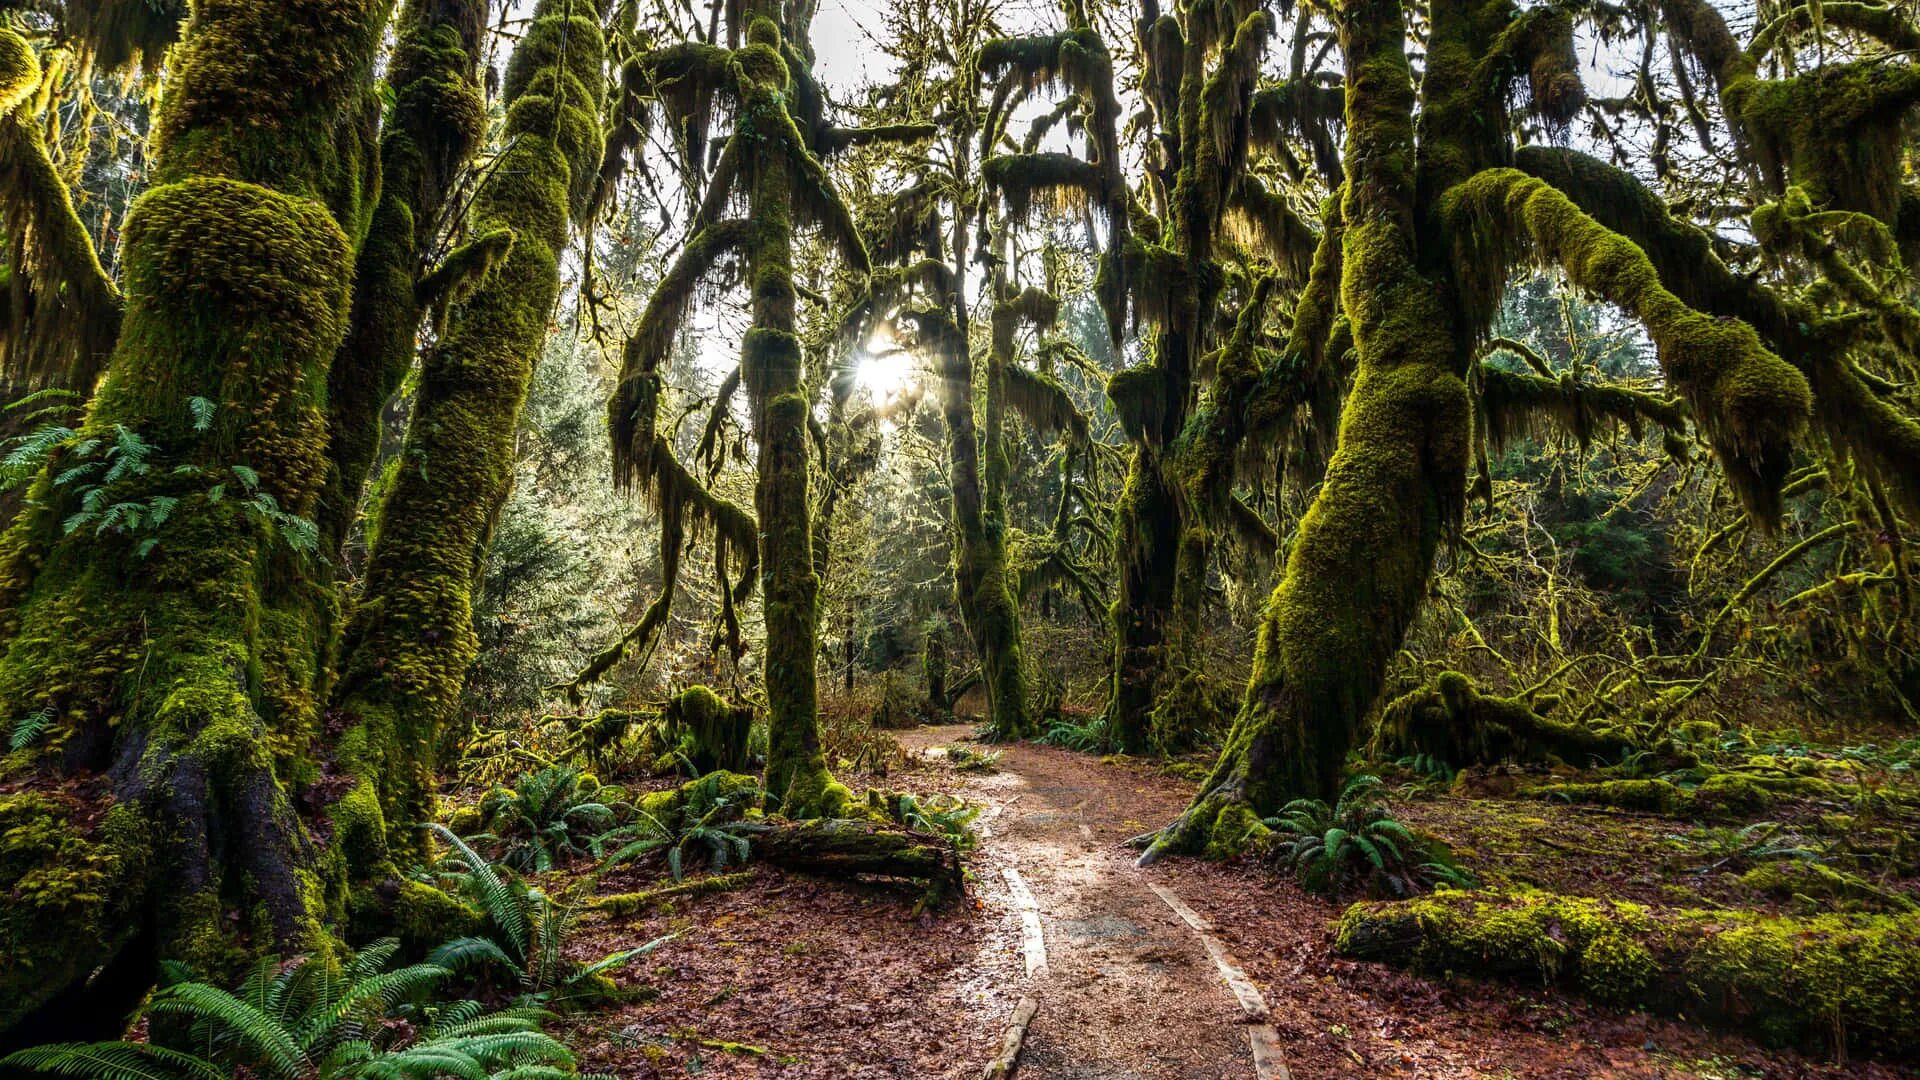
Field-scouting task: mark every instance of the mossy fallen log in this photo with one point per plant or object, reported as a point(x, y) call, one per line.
point(1451, 720)
point(843, 847)
point(1721, 796)
point(836, 847)
point(1835, 983)
point(630, 902)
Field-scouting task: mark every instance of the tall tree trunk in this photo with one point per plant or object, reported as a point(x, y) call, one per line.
point(176, 659)
point(407, 648)
point(1396, 483)
point(438, 120)
point(770, 367)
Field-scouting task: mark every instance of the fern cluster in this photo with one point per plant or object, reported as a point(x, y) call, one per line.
point(710, 820)
point(308, 1020)
point(1329, 848)
point(524, 942)
point(93, 470)
point(549, 817)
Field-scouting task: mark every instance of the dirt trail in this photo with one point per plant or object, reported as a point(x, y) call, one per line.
point(1129, 990)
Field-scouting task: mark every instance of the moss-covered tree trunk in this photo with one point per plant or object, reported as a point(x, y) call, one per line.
point(770, 368)
point(411, 638)
point(437, 120)
point(175, 657)
point(1429, 236)
point(1161, 542)
point(1395, 483)
point(977, 468)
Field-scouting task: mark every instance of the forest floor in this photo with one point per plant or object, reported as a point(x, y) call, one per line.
point(789, 976)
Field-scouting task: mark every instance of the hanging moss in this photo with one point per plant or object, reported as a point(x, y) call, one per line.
point(1517, 406)
point(1750, 404)
point(115, 34)
point(1057, 183)
point(1838, 131)
point(1830, 983)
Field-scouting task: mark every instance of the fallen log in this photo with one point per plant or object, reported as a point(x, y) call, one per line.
point(843, 847)
point(1836, 983)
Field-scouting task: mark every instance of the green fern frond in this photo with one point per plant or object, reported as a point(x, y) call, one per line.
point(112, 1061)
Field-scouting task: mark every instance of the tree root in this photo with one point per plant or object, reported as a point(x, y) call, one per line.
point(1219, 825)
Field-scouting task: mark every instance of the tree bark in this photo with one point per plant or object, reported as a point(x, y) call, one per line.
point(407, 648)
point(179, 662)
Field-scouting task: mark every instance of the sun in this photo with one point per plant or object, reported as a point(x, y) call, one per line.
point(884, 369)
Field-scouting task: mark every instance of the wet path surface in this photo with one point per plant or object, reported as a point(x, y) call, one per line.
point(1128, 989)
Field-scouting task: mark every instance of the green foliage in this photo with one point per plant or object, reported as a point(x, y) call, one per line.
point(966, 759)
point(92, 473)
point(307, 1019)
point(942, 815)
point(707, 816)
point(30, 727)
point(547, 818)
point(1730, 847)
point(1328, 847)
point(1089, 736)
point(525, 942)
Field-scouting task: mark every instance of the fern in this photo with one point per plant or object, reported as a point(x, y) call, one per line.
point(113, 1061)
point(29, 728)
point(304, 1020)
point(1327, 847)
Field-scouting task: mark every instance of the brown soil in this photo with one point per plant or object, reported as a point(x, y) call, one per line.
point(831, 980)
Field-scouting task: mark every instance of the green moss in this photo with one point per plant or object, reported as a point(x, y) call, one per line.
point(1450, 720)
point(1751, 405)
point(719, 730)
point(1819, 887)
point(1837, 131)
point(69, 896)
point(1721, 796)
point(1832, 982)
point(437, 120)
point(410, 639)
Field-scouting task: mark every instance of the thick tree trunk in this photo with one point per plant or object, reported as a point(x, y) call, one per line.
point(410, 641)
point(177, 661)
point(1395, 484)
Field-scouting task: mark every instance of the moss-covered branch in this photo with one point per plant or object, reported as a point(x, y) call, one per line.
point(62, 312)
point(436, 124)
point(1751, 405)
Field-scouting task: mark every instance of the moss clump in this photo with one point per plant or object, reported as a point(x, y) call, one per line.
point(1720, 797)
point(1821, 887)
point(68, 896)
point(719, 730)
point(1826, 983)
point(1450, 720)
